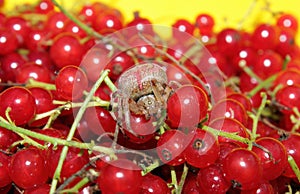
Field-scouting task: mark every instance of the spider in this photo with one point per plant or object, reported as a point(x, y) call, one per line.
point(142, 90)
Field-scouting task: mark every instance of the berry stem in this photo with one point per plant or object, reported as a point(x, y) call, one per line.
point(83, 26)
point(232, 136)
point(73, 129)
point(294, 166)
point(53, 140)
point(153, 166)
point(249, 71)
point(77, 187)
point(263, 84)
point(183, 177)
point(256, 118)
point(33, 83)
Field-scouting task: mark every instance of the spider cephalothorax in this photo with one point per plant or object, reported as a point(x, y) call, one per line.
point(142, 90)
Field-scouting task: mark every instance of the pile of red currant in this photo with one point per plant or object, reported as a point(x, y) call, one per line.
point(91, 103)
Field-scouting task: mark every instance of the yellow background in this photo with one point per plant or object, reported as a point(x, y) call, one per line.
point(226, 12)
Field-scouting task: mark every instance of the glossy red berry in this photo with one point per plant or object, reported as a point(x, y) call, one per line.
point(8, 42)
point(4, 171)
point(265, 37)
point(33, 71)
point(66, 50)
point(187, 106)
point(123, 174)
point(70, 83)
point(273, 157)
point(287, 21)
point(205, 23)
point(28, 169)
point(211, 180)
point(202, 150)
point(228, 41)
point(7, 138)
point(229, 108)
point(153, 184)
point(171, 146)
point(242, 167)
point(21, 103)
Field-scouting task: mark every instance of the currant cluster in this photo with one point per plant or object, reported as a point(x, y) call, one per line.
point(91, 103)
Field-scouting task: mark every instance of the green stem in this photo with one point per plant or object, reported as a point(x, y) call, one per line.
point(256, 118)
point(33, 83)
point(83, 26)
point(77, 187)
point(263, 84)
point(148, 169)
point(56, 141)
point(174, 180)
point(183, 177)
point(294, 166)
point(232, 136)
point(73, 128)
point(249, 71)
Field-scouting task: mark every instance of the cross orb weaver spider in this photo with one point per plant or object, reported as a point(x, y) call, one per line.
point(142, 90)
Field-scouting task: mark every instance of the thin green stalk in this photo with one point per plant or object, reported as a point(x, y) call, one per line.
point(55, 141)
point(77, 187)
point(183, 177)
point(256, 118)
point(33, 83)
point(73, 128)
point(87, 29)
point(294, 166)
point(249, 71)
point(174, 181)
point(263, 84)
point(232, 136)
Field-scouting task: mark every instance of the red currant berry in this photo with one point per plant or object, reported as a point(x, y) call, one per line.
point(288, 21)
point(265, 37)
point(211, 180)
point(107, 23)
point(153, 184)
point(9, 64)
point(170, 147)
point(56, 23)
point(21, 103)
point(263, 188)
point(8, 42)
point(267, 64)
point(45, 188)
point(100, 121)
point(242, 167)
point(123, 174)
point(4, 171)
point(228, 41)
point(205, 23)
point(187, 106)
point(202, 150)
point(7, 138)
point(229, 108)
point(33, 71)
point(273, 157)
point(28, 169)
point(70, 83)
point(66, 50)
